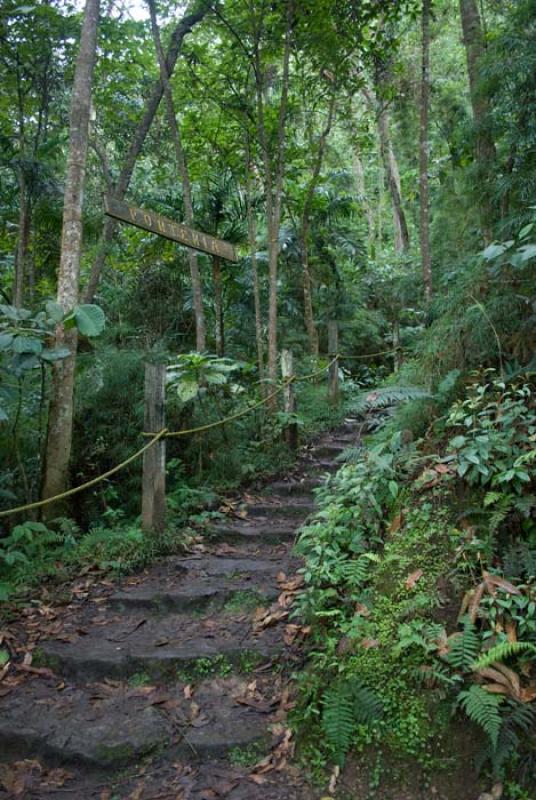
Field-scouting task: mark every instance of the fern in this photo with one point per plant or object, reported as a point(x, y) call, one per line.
point(345, 705)
point(483, 708)
point(368, 707)
point(356, 571)
point(464, 647)
point(518, 719)
point(501, 652)
point(388, 396)
point(338, 719)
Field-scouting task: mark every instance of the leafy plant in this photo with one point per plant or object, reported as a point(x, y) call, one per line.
point(346, 705)
point(483, 708)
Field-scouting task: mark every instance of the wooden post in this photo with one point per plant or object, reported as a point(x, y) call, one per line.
point(153, 503)
point(333, 374)
point(289, 397)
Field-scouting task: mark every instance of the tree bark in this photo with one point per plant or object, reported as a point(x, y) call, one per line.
point(252, 241)
point(359, 175)
point(424, 145)
point(485, 153)
point(60, 421)
point(218, 306)
point(274, 186)
point(392, 172)
point(310, 325)
point(200, 325)
point(184, 27)
point(21, 254)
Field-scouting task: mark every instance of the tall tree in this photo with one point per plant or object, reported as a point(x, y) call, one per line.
point(274, 167)
point(424, 146)
point(199, 314)
point(152, 103)
point(252, 243)
point(475, 49)
point(60, 420)
point(392, 171)
point(310, 325)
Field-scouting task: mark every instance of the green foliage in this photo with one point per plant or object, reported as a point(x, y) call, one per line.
point(194, 373)
point(483, 708)
point(502, 652)
point(346, 705)
point(495, 427)
point(388, 396)
point(464, 647)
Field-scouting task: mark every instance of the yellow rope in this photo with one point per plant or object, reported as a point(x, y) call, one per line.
point(318, 372)
point(90, 483)
point(168, 434)
point(372, 355)
point(201, 428)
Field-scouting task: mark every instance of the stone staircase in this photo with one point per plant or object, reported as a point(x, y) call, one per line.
point(174, 683)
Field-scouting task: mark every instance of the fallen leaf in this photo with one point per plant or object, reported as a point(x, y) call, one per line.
point(412, 579)
point(367, 644)
point(396, 523)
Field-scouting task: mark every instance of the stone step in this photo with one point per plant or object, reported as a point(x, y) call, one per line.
point(304, 487)
point(198, 584)
point(255, 530)
point(297, 509)
point(162, 648)
point(328, 466)
point(330, 449)
point(110, 726)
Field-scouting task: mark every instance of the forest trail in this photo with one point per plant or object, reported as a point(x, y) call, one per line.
point(174, 683)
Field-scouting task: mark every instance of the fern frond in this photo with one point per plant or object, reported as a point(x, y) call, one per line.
point(388, 396)
point(464, 647)
point(338, 719)
point(345, 705)
point(518, 719)
point(368, 707)
point(501, 652)
point(483, 708)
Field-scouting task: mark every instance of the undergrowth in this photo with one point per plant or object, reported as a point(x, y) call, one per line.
point(419, 587)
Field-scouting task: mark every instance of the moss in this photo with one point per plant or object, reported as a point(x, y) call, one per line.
point(109, 755)
point(244, 601)
point(40, 658)
point(247, 756)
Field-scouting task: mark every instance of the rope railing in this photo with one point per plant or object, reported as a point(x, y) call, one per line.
point(165, 433)
point(88, 484)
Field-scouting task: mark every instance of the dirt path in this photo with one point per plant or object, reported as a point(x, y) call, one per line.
point(174, 683)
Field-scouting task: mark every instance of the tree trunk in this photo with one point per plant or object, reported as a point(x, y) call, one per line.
point(21, 254)
point(424, 145)
point(218, 306)
point(359, 175)
point(184, 27)
point(485, 153)
point(200, 326)
point(60, 421)
point(252, 240)
point(398, 356)
point(304, 237)
point(392, 172)
point(310, 325)
point(274, 187)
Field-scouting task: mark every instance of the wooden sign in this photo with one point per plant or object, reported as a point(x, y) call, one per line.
point(163, 226)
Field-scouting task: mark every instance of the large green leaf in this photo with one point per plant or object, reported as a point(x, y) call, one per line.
point(55, 354)
point(187, 390)
point(5, 340)
point(89, 319)
point(54, 311)
point(27, 344)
